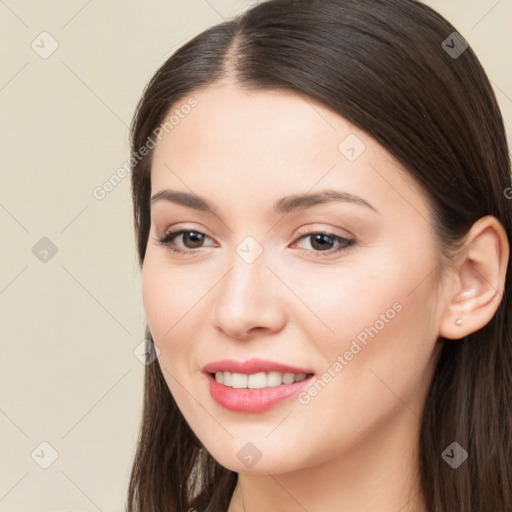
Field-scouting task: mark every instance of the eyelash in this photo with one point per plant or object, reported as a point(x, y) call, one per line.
point(168, 240)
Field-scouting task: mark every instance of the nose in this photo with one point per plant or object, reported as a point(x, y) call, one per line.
point(248, 301)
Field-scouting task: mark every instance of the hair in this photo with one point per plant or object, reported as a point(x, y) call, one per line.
point(381, 65)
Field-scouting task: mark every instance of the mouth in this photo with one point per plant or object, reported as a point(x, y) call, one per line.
point(258, 380)
point(254, 386)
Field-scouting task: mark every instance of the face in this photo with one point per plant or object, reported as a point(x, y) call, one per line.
point(263, 285)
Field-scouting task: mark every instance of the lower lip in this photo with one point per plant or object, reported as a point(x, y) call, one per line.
point(253, 400)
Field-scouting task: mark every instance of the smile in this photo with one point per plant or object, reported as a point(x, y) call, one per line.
point(254, 386)
point(257, 380)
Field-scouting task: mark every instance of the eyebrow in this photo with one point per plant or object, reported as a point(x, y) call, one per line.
point(283, 205)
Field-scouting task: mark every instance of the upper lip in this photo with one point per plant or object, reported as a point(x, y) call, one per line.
point(252, 366)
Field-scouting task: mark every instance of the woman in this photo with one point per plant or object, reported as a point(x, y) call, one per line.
point(320, 202)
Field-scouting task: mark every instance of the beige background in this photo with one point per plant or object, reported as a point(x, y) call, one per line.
point(69, 326)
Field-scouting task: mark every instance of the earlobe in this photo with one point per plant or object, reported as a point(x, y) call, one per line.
point(475, 298)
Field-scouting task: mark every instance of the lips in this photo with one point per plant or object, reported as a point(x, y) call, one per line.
point(243, 399)
point(252, 366)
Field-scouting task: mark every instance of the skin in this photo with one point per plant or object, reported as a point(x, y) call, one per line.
point(353, 447)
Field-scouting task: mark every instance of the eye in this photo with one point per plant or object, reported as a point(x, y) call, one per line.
point(190, 238)
point(322, 243)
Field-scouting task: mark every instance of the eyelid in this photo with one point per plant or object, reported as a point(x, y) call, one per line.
point(303, 232)
point(175, 232)
point(344, 243)
point(328, 231)
point(174, 228)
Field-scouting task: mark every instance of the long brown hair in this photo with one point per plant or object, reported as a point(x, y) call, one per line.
point(385, 66)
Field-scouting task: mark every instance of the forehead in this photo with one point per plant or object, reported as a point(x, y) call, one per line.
point(270, 119)
point(265, 144)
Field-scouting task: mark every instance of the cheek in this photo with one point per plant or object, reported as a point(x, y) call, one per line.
point(381, 321)
point(358, 297)
point(169, 294)
point(166, 302)
point(378, 367)
point(387, 341)
point(159, 301)
point(176, 303)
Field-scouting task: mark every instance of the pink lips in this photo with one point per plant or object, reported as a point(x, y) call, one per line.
point(251, 366)
point(252, 400)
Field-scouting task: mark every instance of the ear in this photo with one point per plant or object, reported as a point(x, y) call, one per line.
point(479, 280)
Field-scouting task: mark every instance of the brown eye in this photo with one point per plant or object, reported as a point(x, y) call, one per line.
point(194, 237)
point(190, 240)
point(322, 243)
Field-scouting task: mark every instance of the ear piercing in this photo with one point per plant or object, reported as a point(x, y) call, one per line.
point(465, 294)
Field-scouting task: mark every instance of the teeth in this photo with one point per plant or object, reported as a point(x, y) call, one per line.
point(288, 378)
point(239, 380)
point(257, 380)
point(274, 379)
